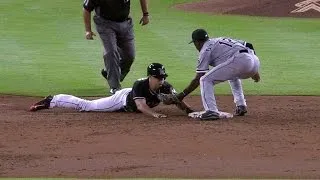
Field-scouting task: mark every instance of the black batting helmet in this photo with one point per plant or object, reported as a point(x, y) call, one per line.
point(156, 70)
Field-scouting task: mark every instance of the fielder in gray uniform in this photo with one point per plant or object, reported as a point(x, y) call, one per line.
point(115, 28)
point(231, 60)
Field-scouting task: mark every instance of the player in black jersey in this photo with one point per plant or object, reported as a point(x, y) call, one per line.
point(142, 97)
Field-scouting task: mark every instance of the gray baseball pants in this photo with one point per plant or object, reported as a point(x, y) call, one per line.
point(240, 66)
point(119, 48)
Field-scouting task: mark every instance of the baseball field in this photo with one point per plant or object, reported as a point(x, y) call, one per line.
point(43, 51)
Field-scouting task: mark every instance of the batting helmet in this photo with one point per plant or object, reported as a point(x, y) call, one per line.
point(156, 70)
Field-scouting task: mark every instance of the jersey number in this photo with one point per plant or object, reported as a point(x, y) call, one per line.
point(227, 42)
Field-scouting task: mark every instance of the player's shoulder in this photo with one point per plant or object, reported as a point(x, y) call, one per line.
point(141, 81)
point(206, 49)
point(215, 39)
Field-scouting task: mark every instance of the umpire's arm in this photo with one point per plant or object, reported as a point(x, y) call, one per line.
point(88, 7)
point(87, 20)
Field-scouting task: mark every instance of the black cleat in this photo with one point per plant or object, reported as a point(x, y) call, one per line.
point(240, 111)
point(43, 104)
point(209, 115)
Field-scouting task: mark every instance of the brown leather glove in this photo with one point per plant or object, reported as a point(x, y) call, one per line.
point(168, 99)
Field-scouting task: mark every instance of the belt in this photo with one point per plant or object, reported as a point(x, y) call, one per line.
point(244, 51)
point(118, 20)
point(121, 20)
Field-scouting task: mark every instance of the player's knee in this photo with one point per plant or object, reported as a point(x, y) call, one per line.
point(204, 79)
point(111, 52)
point(111, 56)
point(110, 49)
point(89, 106)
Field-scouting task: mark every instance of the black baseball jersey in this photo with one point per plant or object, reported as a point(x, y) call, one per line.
point(114, 10)
point(141, 90)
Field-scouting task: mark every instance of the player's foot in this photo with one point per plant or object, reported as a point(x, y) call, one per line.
point(114, 90)
point(240, 110)
point(209, 115)
point(104, 73)
point(43, 104)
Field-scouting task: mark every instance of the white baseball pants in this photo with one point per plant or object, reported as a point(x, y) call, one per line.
point(107, 104)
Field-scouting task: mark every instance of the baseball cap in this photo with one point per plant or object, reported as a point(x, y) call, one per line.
point(199, 35)
point(157, 70)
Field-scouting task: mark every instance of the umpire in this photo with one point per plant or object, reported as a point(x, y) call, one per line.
point(115, 28)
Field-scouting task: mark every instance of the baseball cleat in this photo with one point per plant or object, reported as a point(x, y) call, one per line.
point(209, 115)
point(43, 104)
point(240, 111)
point(114, 90)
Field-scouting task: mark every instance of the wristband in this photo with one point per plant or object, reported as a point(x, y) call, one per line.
point(145, 14)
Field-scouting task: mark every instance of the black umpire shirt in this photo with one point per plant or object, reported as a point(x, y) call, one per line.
point(141, 90)
point(114, 10)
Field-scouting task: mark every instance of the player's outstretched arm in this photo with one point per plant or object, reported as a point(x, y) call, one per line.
point(144, 108)
point(191, 87)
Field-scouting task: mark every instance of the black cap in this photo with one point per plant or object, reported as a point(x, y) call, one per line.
point(199, 35)
point(156, 70)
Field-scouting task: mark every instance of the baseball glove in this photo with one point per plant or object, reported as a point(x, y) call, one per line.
point(168, 99)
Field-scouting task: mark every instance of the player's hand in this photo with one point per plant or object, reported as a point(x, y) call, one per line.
point(89, 35)
point(256, 77)
point(144, 20)
point(189, 110)
point(158, 115)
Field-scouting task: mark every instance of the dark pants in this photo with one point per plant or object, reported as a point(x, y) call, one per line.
point(119, 48)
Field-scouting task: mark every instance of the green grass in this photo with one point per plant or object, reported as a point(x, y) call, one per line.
point(43, 50)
